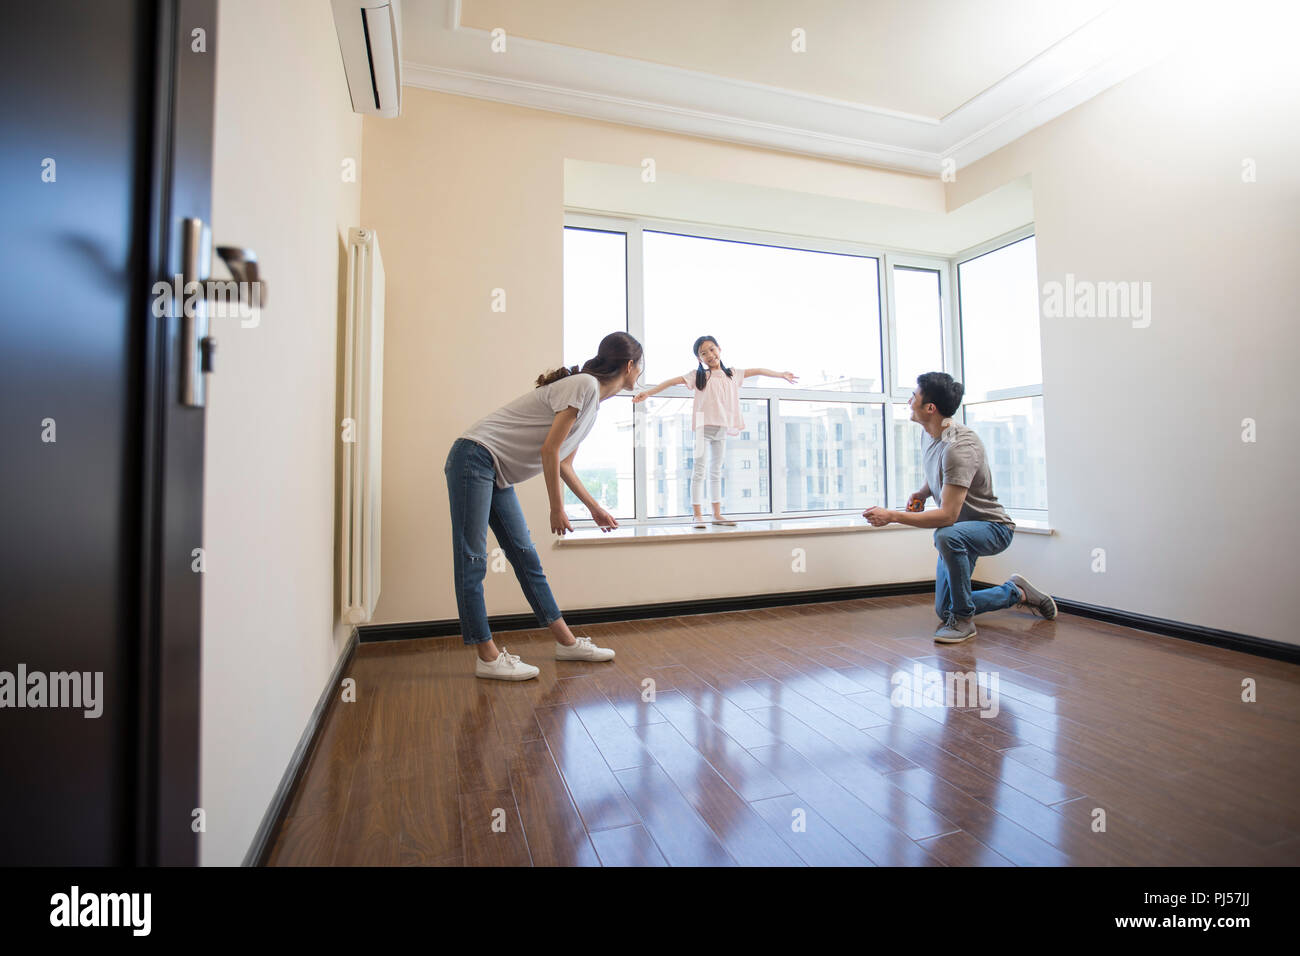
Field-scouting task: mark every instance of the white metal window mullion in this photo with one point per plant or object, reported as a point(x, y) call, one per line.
point(888, 332)
point(888, 323)
point(951, 341)
point(776, 460)
point(771, 457)
point(955, 351)
point(636, 329)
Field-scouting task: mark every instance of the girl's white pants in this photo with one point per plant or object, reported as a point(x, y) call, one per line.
point(714, 439)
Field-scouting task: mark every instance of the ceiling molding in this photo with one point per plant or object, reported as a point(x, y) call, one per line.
point(546, 76)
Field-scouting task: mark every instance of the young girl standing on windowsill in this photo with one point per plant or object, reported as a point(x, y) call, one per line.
point(716, 414)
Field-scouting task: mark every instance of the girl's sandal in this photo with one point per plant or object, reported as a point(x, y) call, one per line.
point(724, 521)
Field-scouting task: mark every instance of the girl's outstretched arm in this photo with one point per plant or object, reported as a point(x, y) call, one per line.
point(642, 396)
point(788, 376)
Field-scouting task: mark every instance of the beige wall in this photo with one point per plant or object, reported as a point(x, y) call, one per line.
point(1145, 457)
point(283, 128)
point(468, 196)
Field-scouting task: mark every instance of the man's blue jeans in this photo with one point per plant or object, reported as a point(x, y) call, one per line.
point(959, 545)
point(477, 504)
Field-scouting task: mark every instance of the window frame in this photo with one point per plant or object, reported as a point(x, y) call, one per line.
point(634, 227)
point(1024, 391)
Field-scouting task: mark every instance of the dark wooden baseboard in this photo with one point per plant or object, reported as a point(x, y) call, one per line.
point(636, 612)
point(1262, 647)
point(264, 839)
point(1231, 640)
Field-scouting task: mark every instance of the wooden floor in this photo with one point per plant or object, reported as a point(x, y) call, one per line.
point(772, 741)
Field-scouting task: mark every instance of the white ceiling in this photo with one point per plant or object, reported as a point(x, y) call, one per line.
point(921, 57)
point(925, 86)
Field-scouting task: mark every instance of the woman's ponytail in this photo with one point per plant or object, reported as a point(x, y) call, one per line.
point(546, 378)
point(612, 356)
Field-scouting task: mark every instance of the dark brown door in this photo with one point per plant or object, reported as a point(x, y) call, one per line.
point(106, 145)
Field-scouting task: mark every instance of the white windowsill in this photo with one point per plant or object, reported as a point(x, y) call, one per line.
point(589, 534)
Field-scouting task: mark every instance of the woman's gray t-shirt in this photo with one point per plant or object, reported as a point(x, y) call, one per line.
point(514, 433)
point(958, 458)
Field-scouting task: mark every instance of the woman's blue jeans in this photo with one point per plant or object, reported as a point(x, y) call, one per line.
point(959, 545)
point(476, 505)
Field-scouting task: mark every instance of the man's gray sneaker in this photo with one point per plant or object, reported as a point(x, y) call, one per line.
point(1038, 602)
point(957, 629)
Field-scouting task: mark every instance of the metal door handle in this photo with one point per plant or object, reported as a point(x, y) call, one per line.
point(196, 262)
point(242, 264)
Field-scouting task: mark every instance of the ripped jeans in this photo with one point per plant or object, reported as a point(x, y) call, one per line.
point(477, 504)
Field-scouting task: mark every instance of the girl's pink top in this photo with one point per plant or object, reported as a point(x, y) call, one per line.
point(718, 403)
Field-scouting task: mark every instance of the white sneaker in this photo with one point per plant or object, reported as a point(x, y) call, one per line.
point(584, 650)
point(505, 667)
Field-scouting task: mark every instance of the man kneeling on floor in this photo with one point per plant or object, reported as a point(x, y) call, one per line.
point(968, 521)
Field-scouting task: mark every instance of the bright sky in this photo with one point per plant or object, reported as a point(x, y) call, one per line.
point(999, 319)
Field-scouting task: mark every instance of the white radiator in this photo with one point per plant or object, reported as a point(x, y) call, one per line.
point(362, 428)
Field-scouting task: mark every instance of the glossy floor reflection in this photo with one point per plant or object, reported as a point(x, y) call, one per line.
point(825, 735)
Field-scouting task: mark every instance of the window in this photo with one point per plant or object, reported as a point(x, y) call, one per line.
point(808, 427)
point(595, 304)
point(671, 453)
point(604, 463)
point(745, 295)
point(998, 295)
point(1018, 464)
point(918, 324)
point(595, 290)
point(999, 321)
point(907, 475)
point(840, 438)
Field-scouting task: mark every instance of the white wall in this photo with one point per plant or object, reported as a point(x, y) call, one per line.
point(1145, 457)
point(283, 127)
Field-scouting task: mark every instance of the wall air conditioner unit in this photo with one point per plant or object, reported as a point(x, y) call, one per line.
point(370, 39)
